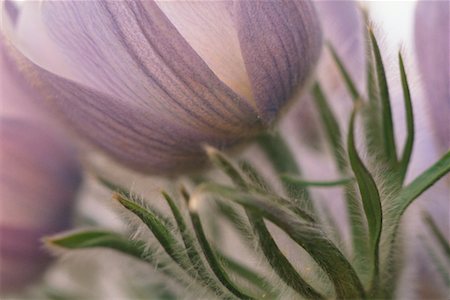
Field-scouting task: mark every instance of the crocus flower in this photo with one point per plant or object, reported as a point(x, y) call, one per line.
point(39, 176)
point(149, 82)
point(432, 34)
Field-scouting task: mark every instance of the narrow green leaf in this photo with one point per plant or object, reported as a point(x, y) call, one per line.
point(251, 276)
point(422, 183)
point(281, 157)
point(438, 235)
point(402, 201)
point(280, 264)
point(332, 227)
point(191, 247)
point(372, 113)
point(159, 230)
point(283, 161)
point(238, 222)
point(345, 74)
point(331, 124)
point(388, 126)
point(295, 180)
point(407, 151)
point(354, 209)
point(277, 260)
point(227, 167)
point(109, 240)
point(212, 260)
point(220, 161)
point(127, 193)
point(254, 176)
point(307, 235)
point(104, 239)
point(370, 198)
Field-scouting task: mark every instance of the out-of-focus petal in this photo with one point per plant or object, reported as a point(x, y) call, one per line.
point(39, 177)
point(432, 40)
point(343, 27)
point(38, 180)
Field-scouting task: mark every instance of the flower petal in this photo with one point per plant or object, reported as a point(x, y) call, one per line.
point(343, 27)
point(280, 42)
point(432, 40)
point(209, 28)
point(139, 57)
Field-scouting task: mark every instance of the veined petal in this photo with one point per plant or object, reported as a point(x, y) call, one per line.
point(432, 40)
point(131, 50)
point(209, 28)
point(138, 138)
point(280, 42)
point(153, 83)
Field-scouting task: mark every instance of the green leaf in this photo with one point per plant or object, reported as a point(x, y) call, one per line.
point(249, 275)
point(402, 201)
point(220, 161)
point(159, 230)
point(280, 264)
point(307, 235)
point(254, 176)
point(438, 235)
point(283, 161)
point(390, 151)
point(354, 209)
point(331, 124)
point(294, 180)
point(370, 198)
point(277, 260)
point(211, 258)
point(372, 112)
point(333, 228)
point(407, 151)
point(237, 221)
point(227, 167)
point(104, 239)
point(127, 194)
point(345, 74)
point(191, 247)
point(422, 183)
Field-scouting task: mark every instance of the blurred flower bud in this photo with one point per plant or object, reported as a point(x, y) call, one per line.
point(150, 82)
point(39, 176)
point(432, 34)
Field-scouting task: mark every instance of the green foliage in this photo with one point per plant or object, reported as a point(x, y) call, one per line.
point(370, 199)
point(182, 247)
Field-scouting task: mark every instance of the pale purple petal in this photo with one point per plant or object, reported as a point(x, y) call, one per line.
point(343, 27)
point(143, 94)
point(280, 43)
point(432, 40)
point(39, 177)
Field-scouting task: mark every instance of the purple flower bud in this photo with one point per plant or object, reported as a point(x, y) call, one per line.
point(39, 176)
point(150, 82)
point(432, 40)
